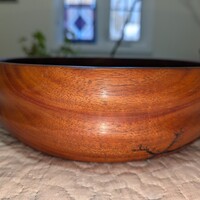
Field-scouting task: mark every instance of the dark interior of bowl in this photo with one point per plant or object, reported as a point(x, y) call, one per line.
point(104, 62)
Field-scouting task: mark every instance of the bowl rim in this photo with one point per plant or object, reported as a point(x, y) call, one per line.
point(100, 62)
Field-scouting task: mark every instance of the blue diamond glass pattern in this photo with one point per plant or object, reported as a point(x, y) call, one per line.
point(80, 20)
point(80, 23)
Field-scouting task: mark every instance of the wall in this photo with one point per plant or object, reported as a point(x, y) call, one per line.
point(176, 29)
point(21, 19)
point(177, 33)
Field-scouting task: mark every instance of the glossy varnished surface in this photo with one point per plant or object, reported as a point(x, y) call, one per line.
point(101, 114)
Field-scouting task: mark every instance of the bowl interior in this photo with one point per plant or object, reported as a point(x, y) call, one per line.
point(103, 62)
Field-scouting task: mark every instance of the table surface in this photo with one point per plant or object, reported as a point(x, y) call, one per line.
point(28, 174)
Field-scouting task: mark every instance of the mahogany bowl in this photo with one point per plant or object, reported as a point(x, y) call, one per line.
point(101, 110)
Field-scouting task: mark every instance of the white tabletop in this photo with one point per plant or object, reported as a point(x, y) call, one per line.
point(27, 174)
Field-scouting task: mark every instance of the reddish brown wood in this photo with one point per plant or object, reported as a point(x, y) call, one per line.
point(101, 114)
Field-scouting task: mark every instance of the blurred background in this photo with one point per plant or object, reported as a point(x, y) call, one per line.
point(100, 28)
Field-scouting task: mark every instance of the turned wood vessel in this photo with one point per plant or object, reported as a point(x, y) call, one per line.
point(101, 110)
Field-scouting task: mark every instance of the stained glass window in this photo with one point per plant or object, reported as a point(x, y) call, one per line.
point(80, 20)
point(120, 11)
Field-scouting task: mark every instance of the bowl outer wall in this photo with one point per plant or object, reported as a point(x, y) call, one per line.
point(101, 114)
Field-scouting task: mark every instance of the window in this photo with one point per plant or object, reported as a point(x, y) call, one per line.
point(104, 20)
point(80, 20)
point(125, 19)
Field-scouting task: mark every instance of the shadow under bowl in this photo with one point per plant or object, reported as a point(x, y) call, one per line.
point(101, 110)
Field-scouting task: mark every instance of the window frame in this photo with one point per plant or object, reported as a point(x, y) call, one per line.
point(126, 12)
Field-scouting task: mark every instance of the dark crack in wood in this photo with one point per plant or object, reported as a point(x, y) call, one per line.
point(166, 150)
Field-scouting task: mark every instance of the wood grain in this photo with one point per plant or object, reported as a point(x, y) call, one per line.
point(101, 114)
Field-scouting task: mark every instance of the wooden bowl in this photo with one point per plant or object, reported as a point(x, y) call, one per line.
point(102, 110)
